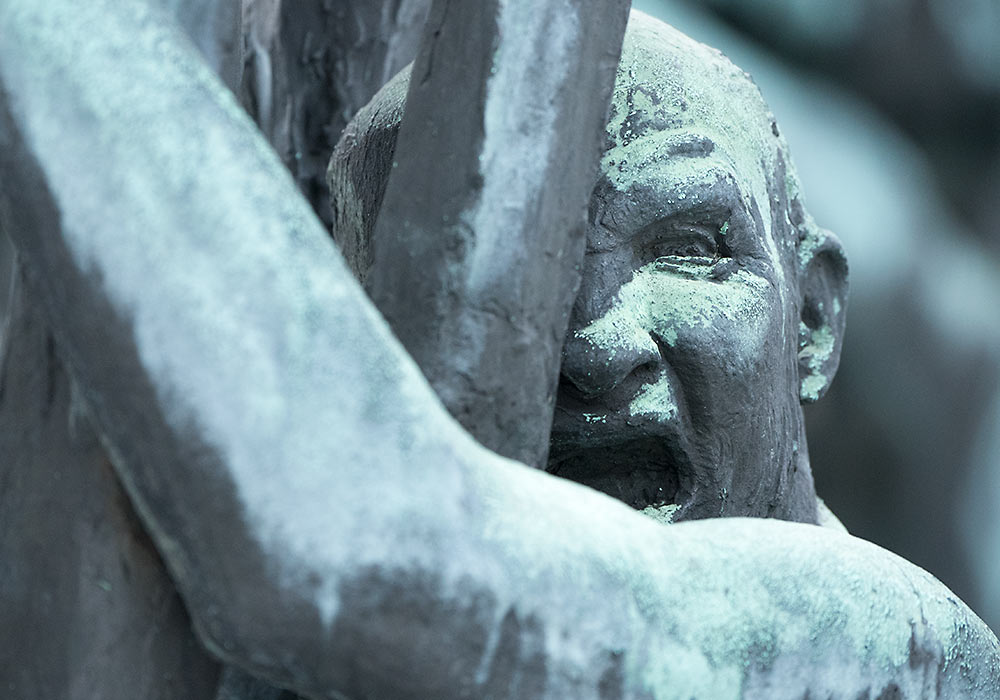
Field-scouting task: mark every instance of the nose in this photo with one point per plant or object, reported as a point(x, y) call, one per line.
point(599, 357)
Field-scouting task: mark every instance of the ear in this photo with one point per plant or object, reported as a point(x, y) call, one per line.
point(822, 310)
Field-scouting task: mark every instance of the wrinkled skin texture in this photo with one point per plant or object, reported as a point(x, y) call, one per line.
point(710, 304)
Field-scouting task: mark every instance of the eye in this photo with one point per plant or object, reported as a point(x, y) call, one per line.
point(675, 246)
point(693, 246)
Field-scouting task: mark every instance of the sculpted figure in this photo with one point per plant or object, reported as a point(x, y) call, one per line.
point(330, 527)
point(711, 305)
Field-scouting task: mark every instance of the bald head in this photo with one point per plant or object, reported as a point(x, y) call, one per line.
point(675, 96)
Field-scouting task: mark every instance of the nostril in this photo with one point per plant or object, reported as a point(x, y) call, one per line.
point(568, 388)
point(651, 367)
point(593, 369)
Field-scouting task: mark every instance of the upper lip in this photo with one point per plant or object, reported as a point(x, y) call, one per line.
point(588, 420)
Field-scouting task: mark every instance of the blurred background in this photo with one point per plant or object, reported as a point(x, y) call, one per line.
point(892, 112)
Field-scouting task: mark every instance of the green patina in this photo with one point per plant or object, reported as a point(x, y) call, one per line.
point(669, 301)
point(663, 513)
point(655, 399)
point(792, 189)
point(808, 247)
point(816, 354)
point(812, 385)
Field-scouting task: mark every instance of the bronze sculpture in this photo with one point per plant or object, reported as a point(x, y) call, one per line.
point(330, 528)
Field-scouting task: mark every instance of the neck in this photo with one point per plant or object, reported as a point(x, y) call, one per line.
point(800, 506)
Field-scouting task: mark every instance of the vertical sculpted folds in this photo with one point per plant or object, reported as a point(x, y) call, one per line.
point(475, 263)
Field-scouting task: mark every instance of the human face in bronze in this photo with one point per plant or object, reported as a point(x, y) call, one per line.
point(679, 388)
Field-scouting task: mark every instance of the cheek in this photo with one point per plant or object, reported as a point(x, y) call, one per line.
point(738, 318)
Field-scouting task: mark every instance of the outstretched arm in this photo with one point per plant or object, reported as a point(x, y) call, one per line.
point(330, 527)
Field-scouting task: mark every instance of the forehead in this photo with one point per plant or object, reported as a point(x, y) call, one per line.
point(681, 101)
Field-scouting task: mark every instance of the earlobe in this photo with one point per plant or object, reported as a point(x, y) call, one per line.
point(823, 309)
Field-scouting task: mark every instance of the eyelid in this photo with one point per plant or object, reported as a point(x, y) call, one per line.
point(621, 224)
point(662, 237)
point(703, 215)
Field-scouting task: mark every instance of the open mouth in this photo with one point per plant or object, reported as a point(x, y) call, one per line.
point(639, 472)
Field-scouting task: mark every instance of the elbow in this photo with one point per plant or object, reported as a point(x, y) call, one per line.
point(265, 632)
point(247, 613)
